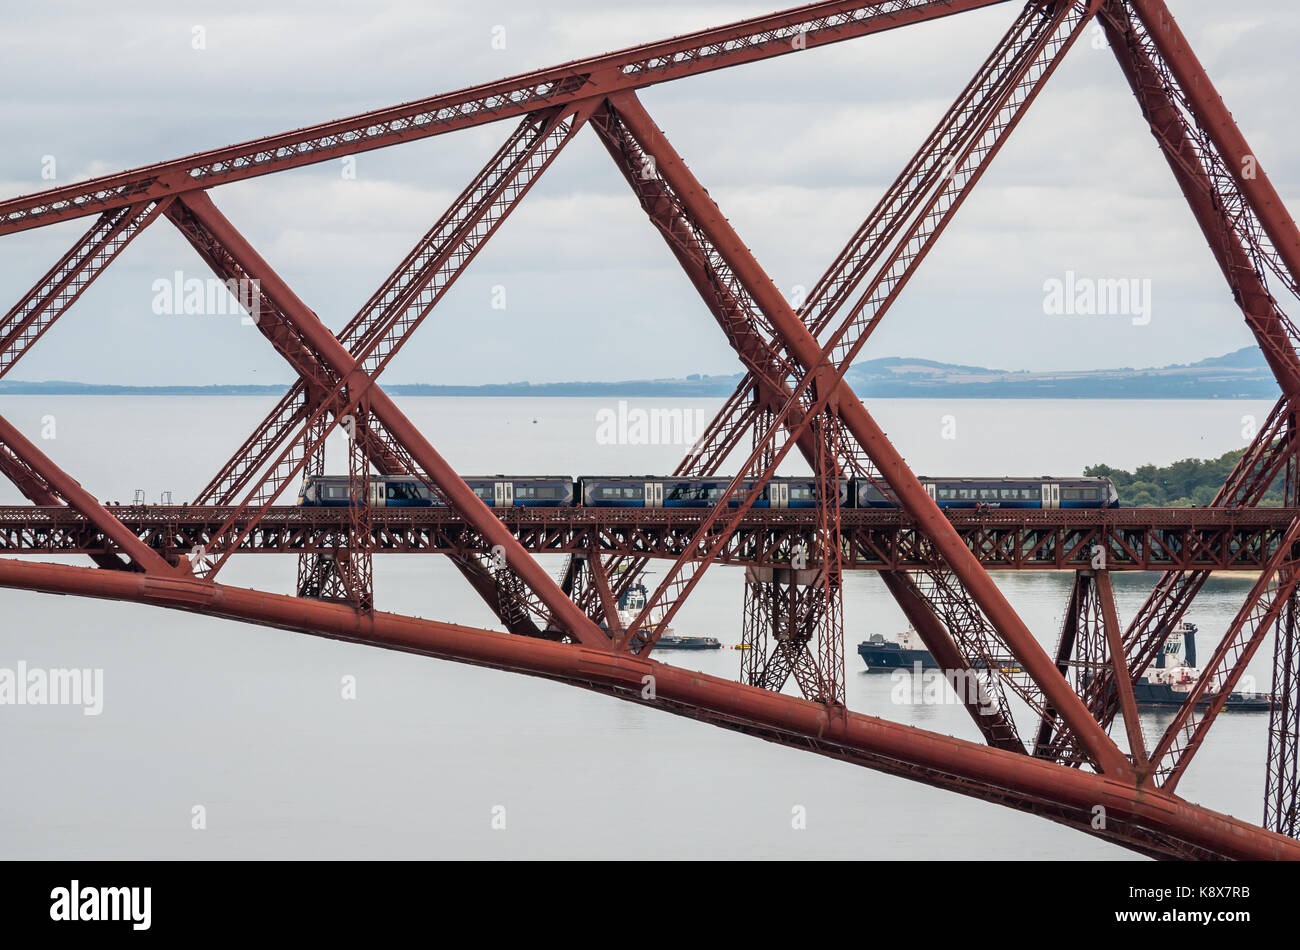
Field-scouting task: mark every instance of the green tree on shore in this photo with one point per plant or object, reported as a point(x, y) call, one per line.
point(1184, 484)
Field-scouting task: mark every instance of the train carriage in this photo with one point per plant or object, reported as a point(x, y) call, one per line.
point(655, 492)
point(334, 491)
point(497, 491)
point(971, 493)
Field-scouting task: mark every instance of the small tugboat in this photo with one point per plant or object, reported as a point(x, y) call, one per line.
point(1165, 686)
point(633, 601)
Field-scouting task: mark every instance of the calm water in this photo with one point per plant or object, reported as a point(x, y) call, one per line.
point(250, 723)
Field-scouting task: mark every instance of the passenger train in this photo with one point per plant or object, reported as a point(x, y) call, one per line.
point(513, 491)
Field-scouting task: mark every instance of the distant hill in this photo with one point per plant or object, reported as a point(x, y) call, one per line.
point(1239, 375)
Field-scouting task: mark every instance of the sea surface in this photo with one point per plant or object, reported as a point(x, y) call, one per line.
point(248, 732)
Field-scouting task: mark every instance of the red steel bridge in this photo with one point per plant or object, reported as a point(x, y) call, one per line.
point(1074, 767)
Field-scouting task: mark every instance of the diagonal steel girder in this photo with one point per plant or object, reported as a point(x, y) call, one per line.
point(69, 490)
point(911, 494)
point(327, 362)
point(1241, 161)
point(796, 30)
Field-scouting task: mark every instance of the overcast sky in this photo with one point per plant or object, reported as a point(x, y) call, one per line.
point(796, 150)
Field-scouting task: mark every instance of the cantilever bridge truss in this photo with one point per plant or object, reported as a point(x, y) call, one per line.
point(1073, 767)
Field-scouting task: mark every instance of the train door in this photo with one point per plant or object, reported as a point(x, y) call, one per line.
point(929, 490)
point(1051, 495)
point(503, 494)
point(654, 494)
point(378, 497)
point(778, 495)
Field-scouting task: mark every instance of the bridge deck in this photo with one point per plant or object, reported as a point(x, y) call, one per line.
point(1132, 538)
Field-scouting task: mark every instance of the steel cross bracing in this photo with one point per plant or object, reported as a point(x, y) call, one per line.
point(950, 161)
point(793, 397)
point(896, 268)
point(1212, 164)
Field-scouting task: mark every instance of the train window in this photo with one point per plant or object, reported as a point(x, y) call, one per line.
point(618, 494)
point(800, 493)
point(402, 491)
point(538, 492)
point(1079, 494)
point(335, 492)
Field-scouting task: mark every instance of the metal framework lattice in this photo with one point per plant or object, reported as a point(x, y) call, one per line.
point(793, 399)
